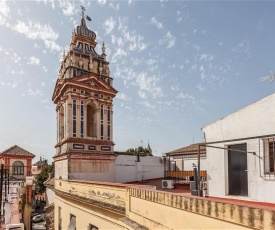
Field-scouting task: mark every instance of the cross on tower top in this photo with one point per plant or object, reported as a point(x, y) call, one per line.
point(82, 10)
point(83, 13)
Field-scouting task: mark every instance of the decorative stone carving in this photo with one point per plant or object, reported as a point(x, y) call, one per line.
point(103, 48)
point(83, 31)
point(91, 65)
point(107, 70)
point(80, 63)
point(67, 62)
point(72, 60)
point(100, 68)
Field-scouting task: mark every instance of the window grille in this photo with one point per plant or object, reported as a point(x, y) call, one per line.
point(269, 155)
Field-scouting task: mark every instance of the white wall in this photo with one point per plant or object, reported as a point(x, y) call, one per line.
point(255, 120)
point(128, 170)
point(49, 196)
point(61, 169)
point(188, 163)
point(107, 175)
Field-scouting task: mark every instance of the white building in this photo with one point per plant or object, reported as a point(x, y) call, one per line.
point(184, 159)
point(241, 153)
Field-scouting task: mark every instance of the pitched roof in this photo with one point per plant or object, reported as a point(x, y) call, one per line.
point(187, 150)
point(17, 151)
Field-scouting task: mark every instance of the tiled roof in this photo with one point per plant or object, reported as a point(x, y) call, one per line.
point(187, 150)
point(17, 151)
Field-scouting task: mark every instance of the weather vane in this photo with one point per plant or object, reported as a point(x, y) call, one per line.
point(271, 77)
point(83, 15)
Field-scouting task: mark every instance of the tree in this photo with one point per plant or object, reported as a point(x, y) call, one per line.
point(139, 150)
point(42, 177)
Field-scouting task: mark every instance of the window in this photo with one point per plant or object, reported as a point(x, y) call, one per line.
point(61, 123)
point(72, 225)
point(269, 155)
point(92, 227)
point(81, 118)
point(59, 219)
point(18, 168)
point(101, 118)
point(109, 123)
point(74, 118)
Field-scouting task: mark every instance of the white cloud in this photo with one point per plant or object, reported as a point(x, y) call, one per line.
point(4, 9)
point(101, 2)
point(242, 47)
point(114, 6)
point(130, 38)
point(125, 42)
point(121, 96)
point(179, 16)
point(37, 31)
point(15, 58)
point(4, 12)
point(50, 2)
point(200, 87)
point(148, 85)
point(118, 54)
point(155, 22)
point(34, 61)
point(35, 92)
point(185, 96)
point(168, 40)
point(206, 57)
point(45, 69)
point(148, 104)
point(69, 9)
point(16, 72)
point(109, 25)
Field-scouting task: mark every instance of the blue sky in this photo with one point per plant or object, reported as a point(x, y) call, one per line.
point(178, 66)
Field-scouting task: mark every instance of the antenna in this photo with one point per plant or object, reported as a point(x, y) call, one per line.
point(271, 77)
point(83, 13)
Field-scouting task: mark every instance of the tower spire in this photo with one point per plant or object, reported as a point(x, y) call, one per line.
point(82, 11)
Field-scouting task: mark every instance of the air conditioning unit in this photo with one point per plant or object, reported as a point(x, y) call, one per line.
point(167, 184)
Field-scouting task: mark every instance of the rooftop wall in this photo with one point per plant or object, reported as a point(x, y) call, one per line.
point(155, 209)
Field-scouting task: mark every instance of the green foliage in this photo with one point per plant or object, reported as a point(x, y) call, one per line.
point(42, 177)
point(139, 150)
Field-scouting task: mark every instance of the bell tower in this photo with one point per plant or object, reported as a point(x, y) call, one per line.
point(83, 96)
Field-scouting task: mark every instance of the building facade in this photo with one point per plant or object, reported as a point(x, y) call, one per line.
point(18, 161)
point(241, 153)
point(91, 185)
point(84, 107)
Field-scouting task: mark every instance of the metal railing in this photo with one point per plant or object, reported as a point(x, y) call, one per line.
point(184, 177)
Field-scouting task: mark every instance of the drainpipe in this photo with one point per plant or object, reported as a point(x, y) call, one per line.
point(6, 195)
point(1, 191)
point(199, 171)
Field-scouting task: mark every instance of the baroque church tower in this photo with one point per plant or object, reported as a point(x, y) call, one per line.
point(83, 96)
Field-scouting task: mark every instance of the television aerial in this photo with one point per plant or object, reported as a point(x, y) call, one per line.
point(271, 77)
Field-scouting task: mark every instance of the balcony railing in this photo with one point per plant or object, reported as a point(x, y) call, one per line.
point(184, 177)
